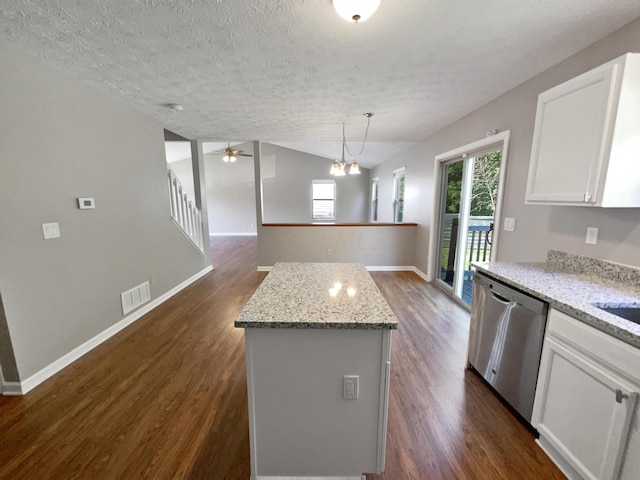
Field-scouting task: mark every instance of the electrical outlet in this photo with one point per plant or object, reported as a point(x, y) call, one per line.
point(350, 387)
point(51, 230)
point(592, 235)
point(509, 224)
point(329, 252)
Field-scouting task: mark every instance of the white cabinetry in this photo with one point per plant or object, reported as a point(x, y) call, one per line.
point(587, 138)
point(586, 400)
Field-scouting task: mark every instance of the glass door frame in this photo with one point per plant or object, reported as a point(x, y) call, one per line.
point(501, 142)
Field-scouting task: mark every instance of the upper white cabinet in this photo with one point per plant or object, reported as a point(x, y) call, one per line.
point(586, 141)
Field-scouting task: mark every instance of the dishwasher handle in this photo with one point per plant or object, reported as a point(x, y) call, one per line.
point(500, 298)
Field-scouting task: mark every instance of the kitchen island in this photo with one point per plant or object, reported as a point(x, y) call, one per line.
point(317, 339)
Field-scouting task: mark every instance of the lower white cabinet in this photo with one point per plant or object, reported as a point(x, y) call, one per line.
point(586, 400)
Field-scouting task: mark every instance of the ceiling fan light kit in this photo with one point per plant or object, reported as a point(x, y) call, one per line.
point(230, 155)
point(356, 10)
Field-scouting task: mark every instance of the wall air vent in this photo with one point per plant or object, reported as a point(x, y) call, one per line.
point(132, 299)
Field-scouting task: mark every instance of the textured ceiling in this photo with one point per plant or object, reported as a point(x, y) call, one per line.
point(292, 71)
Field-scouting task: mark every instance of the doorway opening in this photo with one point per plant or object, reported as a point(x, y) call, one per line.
point(469, 197)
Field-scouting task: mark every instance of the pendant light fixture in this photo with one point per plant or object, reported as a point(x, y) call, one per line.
point(356, 10)
point(338, 166)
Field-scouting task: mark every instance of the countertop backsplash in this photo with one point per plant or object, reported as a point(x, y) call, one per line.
point(616, 272)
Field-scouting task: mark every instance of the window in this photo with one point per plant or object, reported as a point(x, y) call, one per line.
point(398, 195)
point(324, 199)
point(374, 199)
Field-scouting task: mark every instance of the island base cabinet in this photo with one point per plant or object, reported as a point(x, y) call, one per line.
point(585, 407)
point(299, 423)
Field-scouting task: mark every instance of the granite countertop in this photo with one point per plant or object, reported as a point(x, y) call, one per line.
point(317, 295)
point(572, 284)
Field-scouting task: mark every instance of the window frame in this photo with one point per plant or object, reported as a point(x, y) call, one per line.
point(314, 199)
point(375, 196)
point(398, 201)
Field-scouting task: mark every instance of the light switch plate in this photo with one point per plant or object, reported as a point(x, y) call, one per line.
point(509, 224)
point(51, 230)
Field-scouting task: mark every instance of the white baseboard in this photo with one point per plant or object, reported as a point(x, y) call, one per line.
point(421, 274)
point(54, 367)
point(234, 234)
point(385, 268)
point(264, 269)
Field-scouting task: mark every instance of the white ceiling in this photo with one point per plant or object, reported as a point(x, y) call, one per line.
point(292, 71)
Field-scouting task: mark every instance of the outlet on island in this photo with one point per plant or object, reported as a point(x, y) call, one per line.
point(350, 387)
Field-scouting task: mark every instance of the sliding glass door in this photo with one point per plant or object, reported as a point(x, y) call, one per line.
point(469, 188)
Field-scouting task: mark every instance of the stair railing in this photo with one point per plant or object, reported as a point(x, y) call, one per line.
point(184, 211)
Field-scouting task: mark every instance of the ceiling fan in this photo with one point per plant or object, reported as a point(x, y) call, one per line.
point(229, 154)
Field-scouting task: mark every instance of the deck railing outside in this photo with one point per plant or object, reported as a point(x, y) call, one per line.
point(478, 242)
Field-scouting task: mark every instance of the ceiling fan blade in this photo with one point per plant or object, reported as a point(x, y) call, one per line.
point(244, 155)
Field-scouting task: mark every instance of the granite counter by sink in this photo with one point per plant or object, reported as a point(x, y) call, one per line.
point(317, 295)
point(572, 284)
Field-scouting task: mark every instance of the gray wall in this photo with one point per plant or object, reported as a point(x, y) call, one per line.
point(389, 245)
point(61, 140)
point(286, 184)
point(538, 228)
point(231, 194)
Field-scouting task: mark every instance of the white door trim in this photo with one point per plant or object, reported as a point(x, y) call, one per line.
point(501, 140)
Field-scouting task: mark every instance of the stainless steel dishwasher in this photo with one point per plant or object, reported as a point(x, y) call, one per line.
point(505, 340)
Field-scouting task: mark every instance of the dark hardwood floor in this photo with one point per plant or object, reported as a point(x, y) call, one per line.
point(166, 397)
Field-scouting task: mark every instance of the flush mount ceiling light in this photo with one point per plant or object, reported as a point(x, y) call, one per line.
point(356, 10)
point(338, 167)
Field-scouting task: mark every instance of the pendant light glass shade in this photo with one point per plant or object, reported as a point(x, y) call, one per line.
point(335, 167)
point(340, 172)
point(356, 10)
point(354, 169)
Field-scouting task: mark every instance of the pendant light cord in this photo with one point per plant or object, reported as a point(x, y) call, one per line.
point(366, 133)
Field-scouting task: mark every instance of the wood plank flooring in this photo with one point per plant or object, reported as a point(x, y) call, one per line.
point(166, 397)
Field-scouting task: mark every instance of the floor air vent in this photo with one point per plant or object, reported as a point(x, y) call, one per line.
point(132, 299)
